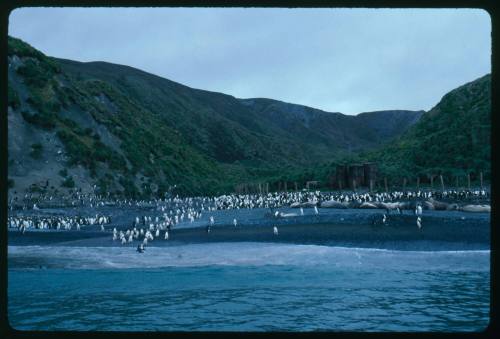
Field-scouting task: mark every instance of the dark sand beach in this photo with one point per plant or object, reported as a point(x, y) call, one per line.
point(441, 230)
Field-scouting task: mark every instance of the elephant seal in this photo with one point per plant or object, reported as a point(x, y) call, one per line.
point(310, 204)
point(368, 205)
point(404, 205)
point(439, 205)
point(307, 204)
point(428, 205)
point(389, 205)
point(332, 204)
point(286, 215)
point(476, 208)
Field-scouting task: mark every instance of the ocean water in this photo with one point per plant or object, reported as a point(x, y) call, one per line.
point(247, 287)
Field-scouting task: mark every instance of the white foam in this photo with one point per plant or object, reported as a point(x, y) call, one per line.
point(249, 254)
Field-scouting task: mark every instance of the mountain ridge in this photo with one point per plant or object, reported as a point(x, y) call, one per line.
point(130, 132)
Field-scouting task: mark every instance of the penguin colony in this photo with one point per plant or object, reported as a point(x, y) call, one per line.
point(176, 209)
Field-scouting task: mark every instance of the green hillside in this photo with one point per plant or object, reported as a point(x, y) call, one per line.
point(151, 147)
point(127, 132)
point(452, 139)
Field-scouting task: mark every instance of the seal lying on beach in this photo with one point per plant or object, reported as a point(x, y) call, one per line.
point(333, 204)
point(394, 205)
point(307, 204)
point(406, 205)
point(432, 204)
point(438, 205)
point(476, 208)
point(428, 205)
point(284, 215)
point(368, 205)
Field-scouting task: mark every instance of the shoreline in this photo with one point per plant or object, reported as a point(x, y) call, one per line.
point(440, 230)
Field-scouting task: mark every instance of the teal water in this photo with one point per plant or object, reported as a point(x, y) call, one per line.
point(247, 287)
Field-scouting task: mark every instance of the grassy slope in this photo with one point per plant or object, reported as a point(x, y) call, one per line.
point(452, 139)
point(229, 129)
point(172, 134)
point(152, 148)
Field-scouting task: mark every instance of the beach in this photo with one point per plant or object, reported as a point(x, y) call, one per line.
point(445, 230)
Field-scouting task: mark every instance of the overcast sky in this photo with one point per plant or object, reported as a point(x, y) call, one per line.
point(338, 60)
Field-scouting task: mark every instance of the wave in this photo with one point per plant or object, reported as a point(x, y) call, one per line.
point(243, 254)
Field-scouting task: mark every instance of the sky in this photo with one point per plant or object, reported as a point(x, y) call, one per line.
point(337, 60)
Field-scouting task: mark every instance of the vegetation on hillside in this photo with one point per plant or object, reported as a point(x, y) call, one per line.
point(207, 143)
point(36, 150)
point(154, 150)
point(452, 140)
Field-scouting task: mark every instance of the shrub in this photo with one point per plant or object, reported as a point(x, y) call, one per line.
point(101, 152)
point(45, 122)
point(102, 185)
point(34, 74)
point(78, 152)
point(35, 189)
point(130, 190)
point(63, 173)
point(36, 151)
point(22, 49)
point(46, 110)
point(62, 95)
point(72, 125)
point(117, 162)
point(14, 101)
point(68, 182)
